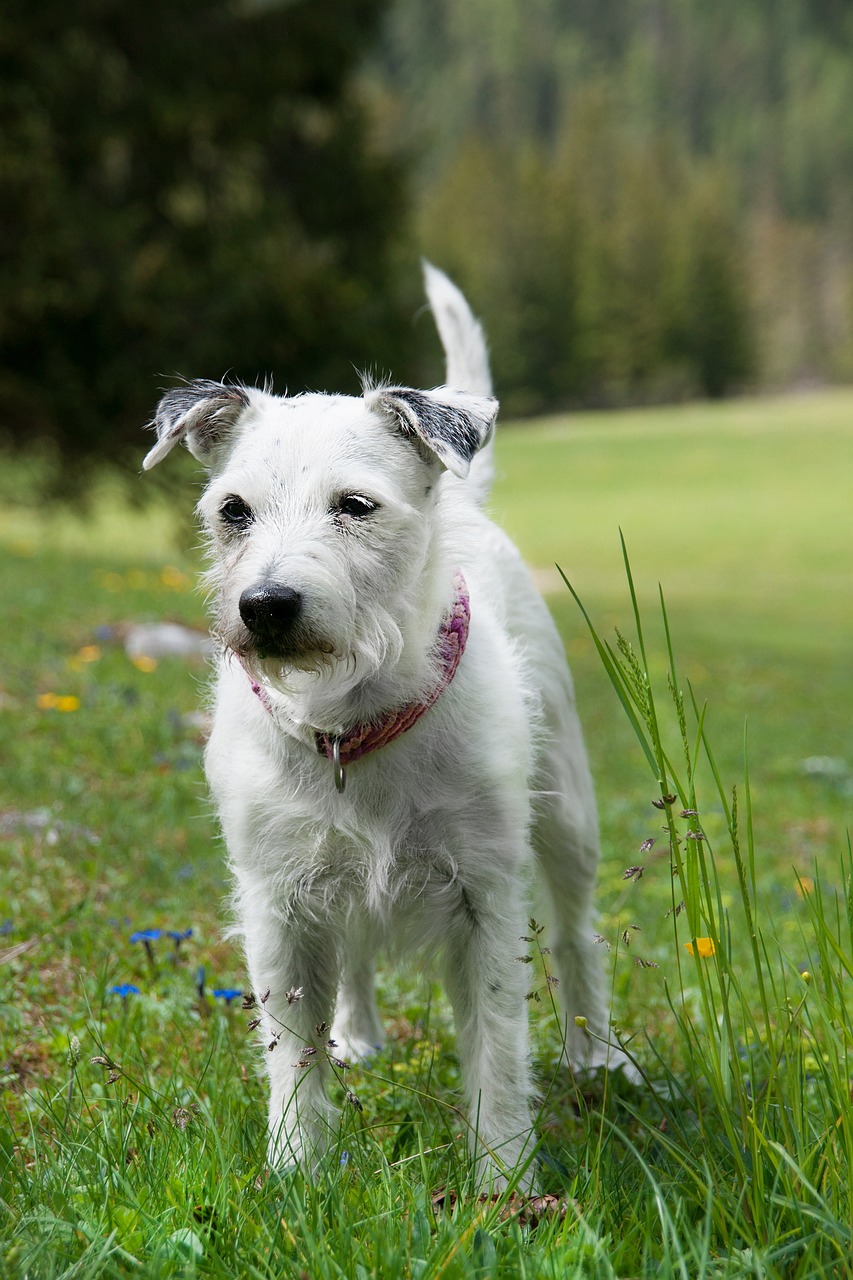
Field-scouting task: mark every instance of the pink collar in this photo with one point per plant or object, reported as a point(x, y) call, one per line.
point(363, 738)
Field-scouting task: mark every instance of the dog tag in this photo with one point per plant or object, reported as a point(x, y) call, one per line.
point(340, 776)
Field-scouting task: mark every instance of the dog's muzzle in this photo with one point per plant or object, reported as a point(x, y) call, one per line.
point(270, 612)
point(361, 739)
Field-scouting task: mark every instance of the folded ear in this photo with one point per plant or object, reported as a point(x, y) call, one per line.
point(453, 425)
point(201, 413)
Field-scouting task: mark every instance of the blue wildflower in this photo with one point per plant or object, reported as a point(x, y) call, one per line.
point(124, 989)
point(227, 993)
point(6, 928)
point(178, 935)
point(199, 981)
point(146, 937)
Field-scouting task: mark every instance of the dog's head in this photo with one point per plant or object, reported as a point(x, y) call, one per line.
point(322, 512)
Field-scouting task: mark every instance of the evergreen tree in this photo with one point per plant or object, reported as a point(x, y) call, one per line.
point(188, 187)
point(633, 185)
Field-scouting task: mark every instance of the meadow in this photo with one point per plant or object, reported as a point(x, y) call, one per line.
point(131, 1127)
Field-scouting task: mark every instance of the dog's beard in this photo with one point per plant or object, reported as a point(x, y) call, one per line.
point(273, 661)
point(334, 668)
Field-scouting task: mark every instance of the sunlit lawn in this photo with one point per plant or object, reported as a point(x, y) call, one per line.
point(741, 511)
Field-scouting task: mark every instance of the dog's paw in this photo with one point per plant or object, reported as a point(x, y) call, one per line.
point(352, 1047)
point(607, 1057)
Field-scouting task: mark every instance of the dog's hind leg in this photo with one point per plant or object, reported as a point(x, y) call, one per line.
point(567, 860)
point(565, 837)
point(357, 1029)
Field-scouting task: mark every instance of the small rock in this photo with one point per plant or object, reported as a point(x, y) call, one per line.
point(166, 640)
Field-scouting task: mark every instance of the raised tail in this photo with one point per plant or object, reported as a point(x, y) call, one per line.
point(467, 357)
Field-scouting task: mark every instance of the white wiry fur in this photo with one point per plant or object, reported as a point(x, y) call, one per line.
point(361, 509)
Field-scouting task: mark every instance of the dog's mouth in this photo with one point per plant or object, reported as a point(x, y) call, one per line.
point(287, 659)
point(273, 659)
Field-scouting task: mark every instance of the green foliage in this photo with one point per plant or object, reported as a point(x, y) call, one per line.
point(598, 290)
point(714, 332)
point(653, 199)
point(768, 86)
point(187, 187)
point(766, 1040)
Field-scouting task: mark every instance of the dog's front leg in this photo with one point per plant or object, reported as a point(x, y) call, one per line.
point(486, 986)
point(296, 963)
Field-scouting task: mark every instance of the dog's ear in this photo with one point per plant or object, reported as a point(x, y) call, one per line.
point(201, 413)
point(452, 425)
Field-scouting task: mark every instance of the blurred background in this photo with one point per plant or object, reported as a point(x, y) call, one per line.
point(648, 200)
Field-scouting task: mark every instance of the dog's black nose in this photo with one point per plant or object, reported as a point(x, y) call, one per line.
point(268, 610)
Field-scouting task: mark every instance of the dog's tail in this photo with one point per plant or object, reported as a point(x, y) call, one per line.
point(467, 356)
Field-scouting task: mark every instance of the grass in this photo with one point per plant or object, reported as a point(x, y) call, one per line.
point(737, 1163)
point(740, 508)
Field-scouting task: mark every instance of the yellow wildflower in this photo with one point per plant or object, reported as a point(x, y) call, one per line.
point(89, 653)
point(143, 663)
point(704, 947)
point(174, 578)
point(57, 702)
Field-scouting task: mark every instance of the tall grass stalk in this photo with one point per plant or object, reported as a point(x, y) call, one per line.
point(757, 1089)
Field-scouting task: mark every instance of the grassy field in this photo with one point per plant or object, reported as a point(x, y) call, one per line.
point(738, 1160)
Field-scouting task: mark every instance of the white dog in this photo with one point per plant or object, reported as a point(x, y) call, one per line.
point(394, 734)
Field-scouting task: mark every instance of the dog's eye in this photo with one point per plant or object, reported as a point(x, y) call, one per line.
point(352, 504)
point(237, 513)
